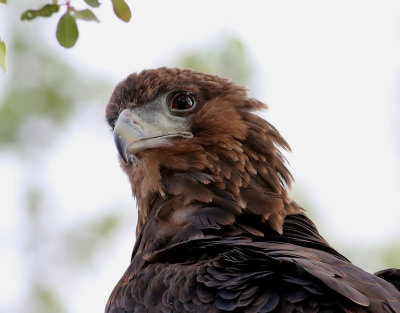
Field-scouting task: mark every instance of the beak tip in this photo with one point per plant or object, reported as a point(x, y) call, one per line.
point(120, 144)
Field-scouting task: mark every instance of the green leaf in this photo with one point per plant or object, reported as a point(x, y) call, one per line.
point(121, 10)
point(45, 11)
point(67, 30)
point(3, 60)
point(86, 15)
point(3, 1)
point(93, 3)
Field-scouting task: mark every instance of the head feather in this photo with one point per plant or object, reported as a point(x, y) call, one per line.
point(232, 150)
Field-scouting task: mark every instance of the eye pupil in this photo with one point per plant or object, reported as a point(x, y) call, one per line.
point(182, 102)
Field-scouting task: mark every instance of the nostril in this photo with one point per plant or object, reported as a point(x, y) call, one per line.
point(135, 121)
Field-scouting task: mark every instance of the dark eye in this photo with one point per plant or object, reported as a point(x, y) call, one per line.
point(182, 102)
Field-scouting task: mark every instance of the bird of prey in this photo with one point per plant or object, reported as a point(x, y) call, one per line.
point(216, 230)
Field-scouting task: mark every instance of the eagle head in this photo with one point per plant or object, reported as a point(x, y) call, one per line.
point(189, 134)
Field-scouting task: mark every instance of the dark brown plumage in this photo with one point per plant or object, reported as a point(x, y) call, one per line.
point(216, 229)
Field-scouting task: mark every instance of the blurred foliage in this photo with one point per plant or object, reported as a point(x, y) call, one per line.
point(391, 254)
point(53, 253)
point(3, 55)
point(3, 59)
point(40, 95)
point(46, 300)
point(41, 90)
point(228, 58)
point(91, 236)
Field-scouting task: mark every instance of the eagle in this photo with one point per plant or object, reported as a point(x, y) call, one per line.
point(217, 230)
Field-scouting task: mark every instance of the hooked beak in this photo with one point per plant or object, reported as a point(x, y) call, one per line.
point(133, 132)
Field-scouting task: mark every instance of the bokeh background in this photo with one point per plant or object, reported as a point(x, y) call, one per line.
point(329, 70)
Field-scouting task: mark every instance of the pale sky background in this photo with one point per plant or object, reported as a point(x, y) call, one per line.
point(329, 70)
